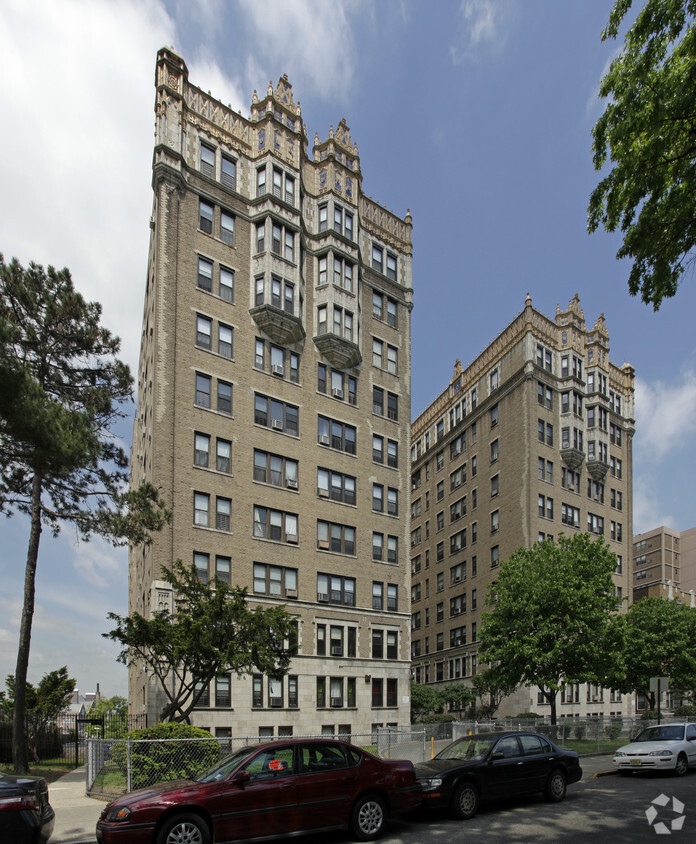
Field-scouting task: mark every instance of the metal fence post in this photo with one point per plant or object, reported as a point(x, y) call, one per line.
point(129, 777)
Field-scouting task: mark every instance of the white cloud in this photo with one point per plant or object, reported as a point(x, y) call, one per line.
point(485, 25)
point(665, 416)
point(309, 38)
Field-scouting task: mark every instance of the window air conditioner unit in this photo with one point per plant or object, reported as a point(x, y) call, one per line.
point(324, 439)
point(291, 593)
point(323, 543)
point(277, 424)
point(276, 701)
point(337, 393)
point(456, 611)
point(291, 483)
point(323, 597)
point(336, 701)
point(323, 493)
point(276, 369)
point(337, 650)
point(291, 537)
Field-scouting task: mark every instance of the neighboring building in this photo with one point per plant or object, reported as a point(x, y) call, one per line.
point(274, 404)
point(664, 564)
point(532, 440)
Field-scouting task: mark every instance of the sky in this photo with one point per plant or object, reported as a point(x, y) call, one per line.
point(475, 115)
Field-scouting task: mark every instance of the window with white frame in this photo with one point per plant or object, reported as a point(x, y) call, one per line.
point(207, 161)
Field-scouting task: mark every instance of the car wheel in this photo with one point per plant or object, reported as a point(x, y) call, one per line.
point(555, 789)
point(184, 829)
point(368, 817)
point(682, 765)
point(465, 801)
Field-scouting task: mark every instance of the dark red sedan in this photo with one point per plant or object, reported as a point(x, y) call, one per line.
point(291, 786)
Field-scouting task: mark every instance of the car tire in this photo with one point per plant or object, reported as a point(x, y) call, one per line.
point(465, 801)
point(185, 828)
point(368, 817)
point(555, 789)
point(682, 765)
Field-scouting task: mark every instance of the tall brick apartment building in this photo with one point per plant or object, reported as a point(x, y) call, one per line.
point(531, 440)
point(274, 404)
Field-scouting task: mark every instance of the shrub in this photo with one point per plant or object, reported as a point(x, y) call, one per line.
point(613, 731)
point(164, 752)
point(686, 711)
point(580, 731)
point(527, 716)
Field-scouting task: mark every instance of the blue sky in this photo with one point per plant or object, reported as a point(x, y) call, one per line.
point(474, 114)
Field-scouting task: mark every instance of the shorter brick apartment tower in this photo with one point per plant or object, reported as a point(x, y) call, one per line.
point(531, 440)
point(274, 404)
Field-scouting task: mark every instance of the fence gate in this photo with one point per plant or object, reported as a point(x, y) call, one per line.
point(80, 740)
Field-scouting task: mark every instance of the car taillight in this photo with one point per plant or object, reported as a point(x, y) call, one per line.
point(20, 803)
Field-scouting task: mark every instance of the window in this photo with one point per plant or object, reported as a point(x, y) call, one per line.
point(544, 395)
point(377, 258)
point(227, 228)
point(617, 499)
point(202, 694)
point(378, 498)
point(205, 274)
point(204, 330)
point(277, 415)
point(336, 486)
point(391, 266)
point(260, 238)
point(335, 589)
point(494, 485)
point(203, 388)
point(570, 515)
point(384, 308)
point(458, 477)
point(343, 323)
point(201, 450)
point(222, 691)
point(277, 581)
point(495, 521)
point(441, 520)
point(261, 181)
point(226, 287)
point(457, 573)
point(282, 241)
point(223, 510)
point(458, 509)
point(336, 435)
point(340, 539)
point(543, 358)
point(229, 172)
point(201, 561)
point(201, 507)
point(595, 524)
point(545, 432)
point(457, 605)
point(616, 531)
point(493, 381)
point(225, 340)
point(275, 469)
point(458, 541)
point(275, 525)
point(343, 274)
point(205, 216)
point(545, 507)
point(224, 397)
point(495, 555)
point(457, 636)
point(207, 163)
point(494, 451)
point(222, 568)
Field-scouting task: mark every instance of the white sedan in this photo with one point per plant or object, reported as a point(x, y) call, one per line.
point(665, 747)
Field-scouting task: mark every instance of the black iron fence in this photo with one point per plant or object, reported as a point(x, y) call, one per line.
point(65, 739)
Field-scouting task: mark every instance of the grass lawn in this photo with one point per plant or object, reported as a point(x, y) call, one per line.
point(50, 773)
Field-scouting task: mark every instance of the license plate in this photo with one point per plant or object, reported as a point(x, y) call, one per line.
point(635, 762)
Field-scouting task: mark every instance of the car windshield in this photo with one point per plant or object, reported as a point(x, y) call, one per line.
point(223, 769)
point(667, 732)
point(470, 747)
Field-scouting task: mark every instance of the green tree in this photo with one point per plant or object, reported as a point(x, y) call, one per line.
point(212, 630)
point(648, 132)
point(457, 696)
point(490, 686)
point(114, 711)
point(425, 700)
point(61, 389)
point(659, 640)
point(44, 703)
point(551, 619)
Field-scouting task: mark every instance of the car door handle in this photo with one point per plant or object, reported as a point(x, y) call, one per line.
point(520, 763)
point(288, 785)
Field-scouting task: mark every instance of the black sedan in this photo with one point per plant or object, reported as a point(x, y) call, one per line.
point(26, 816)
point(492, 765)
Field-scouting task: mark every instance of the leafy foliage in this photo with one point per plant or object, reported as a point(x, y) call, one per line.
point(44, 703)
point(659, 640)
point(61, 389)
point(551, 620)
point(156, 756)
point(212, 630)
point(648, 130)
point(491, 686)
point(114, 711)
point(428, 702)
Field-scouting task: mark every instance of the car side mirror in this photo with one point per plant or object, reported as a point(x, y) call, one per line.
point(497, 755)
point(241, 778)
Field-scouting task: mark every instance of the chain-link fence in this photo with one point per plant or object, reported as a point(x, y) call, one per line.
point(115, 766)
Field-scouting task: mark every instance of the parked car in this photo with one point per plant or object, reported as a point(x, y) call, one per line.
point(492, 765)
point(26, 816)
point(664, 747)
point(277, 788)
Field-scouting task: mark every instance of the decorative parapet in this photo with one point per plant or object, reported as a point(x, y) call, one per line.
point(385, 224)
point(219, 115)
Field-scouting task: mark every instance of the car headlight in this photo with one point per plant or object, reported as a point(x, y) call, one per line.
point(660, 753)
point(118, 813)
point(619, 753)
point(431, 784)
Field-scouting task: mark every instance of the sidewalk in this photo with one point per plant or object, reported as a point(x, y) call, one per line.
point(76, 814)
